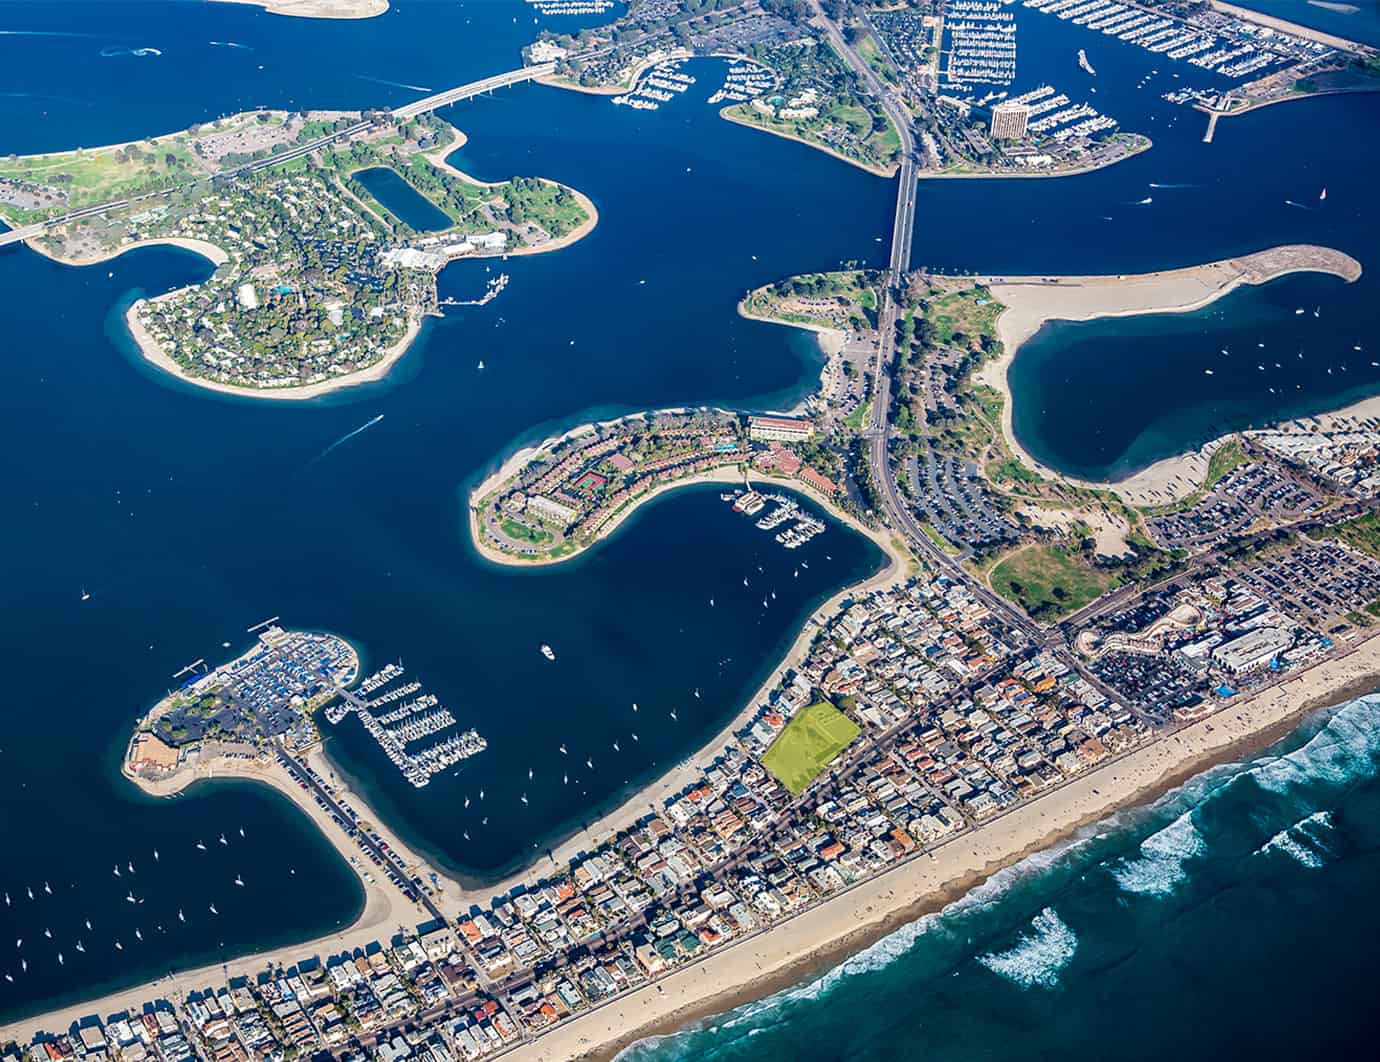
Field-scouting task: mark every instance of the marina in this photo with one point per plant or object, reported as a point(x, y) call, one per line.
point(751, 502)
point(398, 730)
point(659, 84)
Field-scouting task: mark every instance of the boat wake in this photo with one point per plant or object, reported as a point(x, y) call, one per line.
point(393, 84)
point(231, 44)
point(1039, 956)
point(110, 53)
point(1158, 184)
point(344, 439)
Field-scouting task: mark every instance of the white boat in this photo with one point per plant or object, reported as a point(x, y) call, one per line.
point(85, 596)
point(547, 652)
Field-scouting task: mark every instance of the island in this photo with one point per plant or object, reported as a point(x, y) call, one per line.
point(327, 231)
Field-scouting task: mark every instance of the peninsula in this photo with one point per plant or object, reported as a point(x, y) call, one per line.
point(348, 9)
point(325, 265)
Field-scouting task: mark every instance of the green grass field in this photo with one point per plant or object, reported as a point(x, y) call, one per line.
point(972, 312)
point(814, 737)
point(1361, 532)
point(1048, 582)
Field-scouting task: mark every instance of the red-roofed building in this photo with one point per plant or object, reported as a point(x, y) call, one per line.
point(819, 482)
point(782, 429)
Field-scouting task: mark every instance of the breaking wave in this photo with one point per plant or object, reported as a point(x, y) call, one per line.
point(1304, 842)
point(1159, 868)
point(1345, 749)
point(1038, 957)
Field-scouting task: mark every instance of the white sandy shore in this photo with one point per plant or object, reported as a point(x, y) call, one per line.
point(149, 347)
point(317, 8)
point(209, 251)
point(895, 571)
point(848, 921)
point(386, 910)
point(1031, 301)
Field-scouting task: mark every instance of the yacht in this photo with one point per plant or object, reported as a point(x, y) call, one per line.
point(548, 652)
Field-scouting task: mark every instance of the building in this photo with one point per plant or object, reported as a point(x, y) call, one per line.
point(779, 429)
point(1009, 121)
point(1253, 650)
point(550, 509)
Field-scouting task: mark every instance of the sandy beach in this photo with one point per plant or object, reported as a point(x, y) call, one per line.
point(895, 571)
point(209, 251)
point(1031, 301)
point(148, 346)
point(386, 910)
point(317, 8)
point(766, 962)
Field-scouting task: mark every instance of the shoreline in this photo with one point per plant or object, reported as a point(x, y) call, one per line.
point(340, 9)
point(1077, 171)
point(210, 251)
point(876, 171)
point(153, 353)
point(1032, 301)
point(688, 770)
point(383, 904)
point(766, 962)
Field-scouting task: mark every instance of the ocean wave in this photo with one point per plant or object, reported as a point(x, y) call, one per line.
point(1038, 957)
point(1304, 842)
point(1343, 750)
point(1159, 868)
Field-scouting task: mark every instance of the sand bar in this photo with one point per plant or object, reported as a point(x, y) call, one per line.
point(317, 8)
point(1031, 301)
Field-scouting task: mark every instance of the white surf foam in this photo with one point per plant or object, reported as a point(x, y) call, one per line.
point(1039, 956)
point(1305, 842)
point(1159, 868)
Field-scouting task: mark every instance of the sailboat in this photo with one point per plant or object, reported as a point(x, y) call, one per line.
point(85, 596)
point(239, 881)
point(213, 909)
point(1322, 196)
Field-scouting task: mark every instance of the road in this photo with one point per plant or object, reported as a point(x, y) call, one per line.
point(404, 113)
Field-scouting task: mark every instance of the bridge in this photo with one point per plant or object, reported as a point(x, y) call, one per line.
point(404, 113)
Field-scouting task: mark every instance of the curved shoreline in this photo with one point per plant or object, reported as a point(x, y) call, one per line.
point(210, 251)
point(895, 571)
point(1077, 171)
point(877, 171)
point(339, 9)
point(1032, 301)
point(153, 353)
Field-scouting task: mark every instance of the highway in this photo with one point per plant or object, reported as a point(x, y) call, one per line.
point(404, 113)
point(879, 431)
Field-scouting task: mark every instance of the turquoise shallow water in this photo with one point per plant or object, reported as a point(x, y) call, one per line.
point(1232, 920)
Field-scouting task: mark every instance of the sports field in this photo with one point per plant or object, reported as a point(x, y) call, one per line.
point(814, 737)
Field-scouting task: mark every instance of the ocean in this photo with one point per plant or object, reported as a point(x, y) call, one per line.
point(189, 516)
point(1228, 920)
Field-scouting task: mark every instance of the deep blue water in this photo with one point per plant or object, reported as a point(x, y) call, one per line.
point(190, 516)
point(1108, 398)
point(402, 200)
point(1231, 920)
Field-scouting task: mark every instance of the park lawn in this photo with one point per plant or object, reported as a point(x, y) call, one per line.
point(522, 533)
point(1048, 581)
point(973, 312)
point(1223, 460)
point(808, 744)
